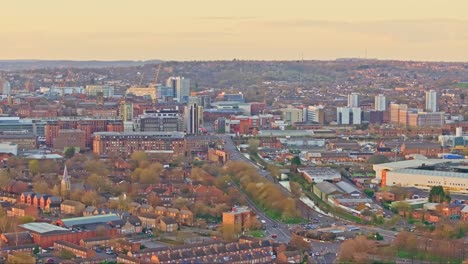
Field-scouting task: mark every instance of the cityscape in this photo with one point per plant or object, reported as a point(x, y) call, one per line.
point(232, 159)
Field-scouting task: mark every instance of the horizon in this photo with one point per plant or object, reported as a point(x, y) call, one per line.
point(208, 30)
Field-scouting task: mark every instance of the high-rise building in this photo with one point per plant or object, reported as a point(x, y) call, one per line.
point(192, 119)
point(181, 88)
point(353, 100)
point(380, 103)
point(126, 111)
point(315, 114)
point(6, 88)
point(432, 101)
point(348, 115)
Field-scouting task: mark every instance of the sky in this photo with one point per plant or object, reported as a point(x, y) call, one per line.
point(227, 29)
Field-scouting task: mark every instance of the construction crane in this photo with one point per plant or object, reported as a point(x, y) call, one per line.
point(155, 82)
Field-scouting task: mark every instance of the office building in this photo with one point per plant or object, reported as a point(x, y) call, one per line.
point(424, 174)
point(348, 115)
point(315, 114)
point(380, 103)
point(192, 118)
point(432, 101)
point(160, 120)
point(97, 90)
point(70, 138)
point(353, 100)
point(180, 87)
point(61, 91)
point(292, 115)
point(170, 143)
point(426, 119)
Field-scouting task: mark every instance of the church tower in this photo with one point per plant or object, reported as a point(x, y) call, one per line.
point(65, 184)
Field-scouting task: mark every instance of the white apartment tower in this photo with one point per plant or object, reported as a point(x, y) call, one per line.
point(353, 100)
point(432, 101)
point(380, 102)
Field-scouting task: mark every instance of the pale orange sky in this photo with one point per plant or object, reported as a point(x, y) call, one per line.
point(242, 29)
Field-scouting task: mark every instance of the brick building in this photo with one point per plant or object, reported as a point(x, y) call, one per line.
point(170, 143)
point(242, 217)
point(70, 138)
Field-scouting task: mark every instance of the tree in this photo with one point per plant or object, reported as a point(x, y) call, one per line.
point(66, 254)
point(357, 250)
point(138, 157)
point(69, 152)
point(296, 189)
point(369, 192)
point(34, 167)
point(41, 187)
point(438, 195)
point(377, 159)
point(295, 162)
point(253, 145)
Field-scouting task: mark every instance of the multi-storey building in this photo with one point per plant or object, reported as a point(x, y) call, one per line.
point(432, 101)
point(70, 138)
point(241, 217)
point(160, 120)
point(353, 100)
point(348, 115)
point(95, 90)
point(181, 88)
point(380, 103)
point(89, 126)
point(126, 143)
point(149, 92)
point(292, 115)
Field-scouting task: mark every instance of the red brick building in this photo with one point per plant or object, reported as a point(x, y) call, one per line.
point(45, 234)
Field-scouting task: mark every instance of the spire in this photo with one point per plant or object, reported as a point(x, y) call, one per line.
point(65, 176)
point(65, 184)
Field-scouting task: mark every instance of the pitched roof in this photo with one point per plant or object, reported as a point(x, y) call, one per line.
point(328, 188)
point(95, 219)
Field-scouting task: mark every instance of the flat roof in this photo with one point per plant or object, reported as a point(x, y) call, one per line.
point(408, 164)
point(437, 173)
point(43, 228)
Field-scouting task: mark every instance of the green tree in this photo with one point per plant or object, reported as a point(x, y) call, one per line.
point(438, 195)
point(36, 250)
point(369, 192)
point(295, 162)
point(377, 159)
point(253, 145)
point(66, 254)
point(34, 167)
point(70, 152)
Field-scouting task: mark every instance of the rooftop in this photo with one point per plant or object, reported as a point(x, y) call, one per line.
point(75, 221)
point(43, 228)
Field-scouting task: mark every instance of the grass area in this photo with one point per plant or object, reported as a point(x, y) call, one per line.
point(254, 157)
point(462, 85)
point(426, 256)
point(257, 233)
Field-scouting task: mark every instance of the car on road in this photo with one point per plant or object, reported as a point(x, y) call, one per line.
point(274, 236)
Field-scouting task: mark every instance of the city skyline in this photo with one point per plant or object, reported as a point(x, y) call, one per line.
point(210, 30)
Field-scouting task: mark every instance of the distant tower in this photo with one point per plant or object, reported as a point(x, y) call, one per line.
point(432, 101)
point(191, 118)
point(380, 102)
point(353, 100)
point(65, 186)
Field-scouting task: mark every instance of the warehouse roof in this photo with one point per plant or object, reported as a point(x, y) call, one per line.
point(43, 228)
point(87, 220)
